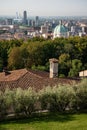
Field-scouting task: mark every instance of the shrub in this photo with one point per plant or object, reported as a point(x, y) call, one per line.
point(5, 102)
point(81, 95)
point(2, 104)
point(44, 97)
point(62, 98)
point(23, 101)
point(39, 67)
point(57, 98)
point(61, 75)
point(76, 67)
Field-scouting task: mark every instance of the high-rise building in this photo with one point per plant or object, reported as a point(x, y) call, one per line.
point(33, 23)
point(37, 21)
point(25, 17)
point(30, 22)
point(9, 21)
point(17, 15)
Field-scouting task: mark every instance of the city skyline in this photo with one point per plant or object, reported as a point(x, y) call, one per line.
point(44, 8)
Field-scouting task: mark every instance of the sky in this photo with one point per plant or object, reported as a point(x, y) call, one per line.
point(44, 7)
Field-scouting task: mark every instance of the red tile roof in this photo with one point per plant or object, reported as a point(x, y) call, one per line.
point(14, 75)
point(28, 78)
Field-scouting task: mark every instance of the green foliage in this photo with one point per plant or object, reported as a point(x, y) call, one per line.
point(5, 102)
point(57, 98)
point(62, 98)
point(15, 59)
point(23, 101)
point(1, 64)
point(39, 67)
point(18, 54)
point(64, 64)
point(61, 75)
point(76, 67)
point(81, 95)
point(40, 39)
point(2, 105)
point(44, 97)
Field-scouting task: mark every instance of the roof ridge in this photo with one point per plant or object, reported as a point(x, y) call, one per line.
point(35, 74)
point(21, 76)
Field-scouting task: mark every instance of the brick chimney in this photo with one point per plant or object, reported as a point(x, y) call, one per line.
point(53, 68)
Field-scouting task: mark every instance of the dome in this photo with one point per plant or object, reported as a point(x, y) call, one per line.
point(60, 31)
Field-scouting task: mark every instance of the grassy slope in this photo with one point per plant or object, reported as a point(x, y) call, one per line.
point(48, 122)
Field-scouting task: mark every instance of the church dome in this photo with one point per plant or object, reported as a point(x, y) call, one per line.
point(60, 31)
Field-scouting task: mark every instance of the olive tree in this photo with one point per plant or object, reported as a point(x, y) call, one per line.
point(5, 102)
point(81, 95)
point(24, 101)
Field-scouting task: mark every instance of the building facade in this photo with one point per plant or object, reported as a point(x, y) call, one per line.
point(25, 17)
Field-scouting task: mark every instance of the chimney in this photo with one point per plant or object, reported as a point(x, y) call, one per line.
point(6, 71)
point(53, 68)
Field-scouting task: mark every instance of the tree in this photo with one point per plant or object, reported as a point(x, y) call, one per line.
point(24, 101)
point(64, 64)
point(1, 64)
point(15, 59)
point(5, 102)
point(76, 67)
point(58, 98)
point(81, 95)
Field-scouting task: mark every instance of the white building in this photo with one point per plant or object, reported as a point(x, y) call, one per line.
point(44, 29)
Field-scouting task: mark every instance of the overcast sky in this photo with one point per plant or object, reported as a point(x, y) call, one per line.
point(44, 7)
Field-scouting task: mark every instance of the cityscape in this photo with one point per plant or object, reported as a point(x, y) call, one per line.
point(23, 27)
point(47, 19)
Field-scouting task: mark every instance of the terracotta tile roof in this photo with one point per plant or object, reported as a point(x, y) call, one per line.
point(13, 75)
point(28, 78)
point(43, 74)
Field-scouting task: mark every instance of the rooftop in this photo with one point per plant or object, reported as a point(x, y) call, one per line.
point(28, 78)
point(13, 75)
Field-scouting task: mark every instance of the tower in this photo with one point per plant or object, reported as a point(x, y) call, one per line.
point(36, 21)
point(17, 15)
point(25, 17)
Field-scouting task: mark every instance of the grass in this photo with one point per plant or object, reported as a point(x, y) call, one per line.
point(48, 122)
